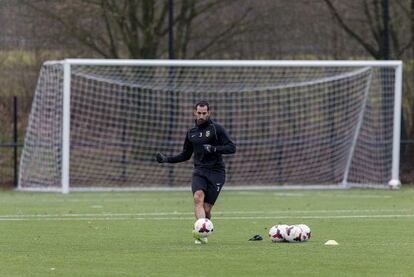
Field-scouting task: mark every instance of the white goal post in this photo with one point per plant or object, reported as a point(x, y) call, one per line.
point(97, 124)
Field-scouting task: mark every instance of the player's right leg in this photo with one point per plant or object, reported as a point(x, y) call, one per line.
point(198, 186)
point(198, 198)
point(199, 213)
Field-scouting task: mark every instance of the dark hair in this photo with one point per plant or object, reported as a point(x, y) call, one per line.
point(202, 104)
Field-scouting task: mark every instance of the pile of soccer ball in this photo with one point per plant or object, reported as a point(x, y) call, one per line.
point(289, 233)
point(203, 227)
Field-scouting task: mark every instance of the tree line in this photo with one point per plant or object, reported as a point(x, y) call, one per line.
point(38, 30)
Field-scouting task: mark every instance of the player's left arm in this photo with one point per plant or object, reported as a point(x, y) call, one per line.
point(225, 145)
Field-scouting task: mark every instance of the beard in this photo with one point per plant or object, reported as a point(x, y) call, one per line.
point(201, 121)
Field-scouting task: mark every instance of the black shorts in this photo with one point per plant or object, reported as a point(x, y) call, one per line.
point(210, 182)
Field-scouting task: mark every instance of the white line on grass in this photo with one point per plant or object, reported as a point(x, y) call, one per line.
point(216, 218)
point(176, 213)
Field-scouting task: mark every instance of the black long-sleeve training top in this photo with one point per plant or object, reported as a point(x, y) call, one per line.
point(209, 132)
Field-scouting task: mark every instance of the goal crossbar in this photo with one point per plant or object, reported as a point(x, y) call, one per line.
point(229, 63)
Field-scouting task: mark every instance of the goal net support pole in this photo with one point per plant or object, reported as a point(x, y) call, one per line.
point(66, 127)
point(395, 174)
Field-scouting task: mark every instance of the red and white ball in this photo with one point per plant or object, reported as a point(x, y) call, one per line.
point(203, 227)
point(289, 233)
point(306, 232)
point(293, 233)
point(277, 233)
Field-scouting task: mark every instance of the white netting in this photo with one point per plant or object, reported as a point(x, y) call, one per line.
point(291, 125)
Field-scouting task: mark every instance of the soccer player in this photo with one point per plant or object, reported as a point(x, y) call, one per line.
point(208, 141)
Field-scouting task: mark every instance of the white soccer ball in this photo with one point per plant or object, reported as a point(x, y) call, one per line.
point(203, 227)
point(277, 233)
point(293, 234)
point(306, 232)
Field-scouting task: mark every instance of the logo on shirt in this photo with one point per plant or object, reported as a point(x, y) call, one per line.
point(207, 134)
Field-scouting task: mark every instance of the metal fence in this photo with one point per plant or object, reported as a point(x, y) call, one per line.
point(9, 151)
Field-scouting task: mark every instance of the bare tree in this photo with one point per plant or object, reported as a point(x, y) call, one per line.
point(365, 24)
point(133, 28)
point(367, 27)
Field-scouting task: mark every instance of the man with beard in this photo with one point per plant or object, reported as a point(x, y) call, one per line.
point(208, 140)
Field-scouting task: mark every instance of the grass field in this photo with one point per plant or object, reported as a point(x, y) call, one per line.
point(149, 234)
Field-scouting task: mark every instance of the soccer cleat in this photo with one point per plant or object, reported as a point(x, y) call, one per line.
point(201, 241)
point(198, 239)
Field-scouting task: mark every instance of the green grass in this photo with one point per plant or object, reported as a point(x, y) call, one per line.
point(149, 234)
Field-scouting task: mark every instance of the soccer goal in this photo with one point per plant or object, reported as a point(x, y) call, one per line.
point(97, 124)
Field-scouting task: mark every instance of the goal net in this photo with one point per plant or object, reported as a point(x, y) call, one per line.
point(97, 124)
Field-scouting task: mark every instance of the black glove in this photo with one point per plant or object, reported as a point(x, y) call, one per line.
point(256, 237)
point(161, 158)
point(209, 148)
